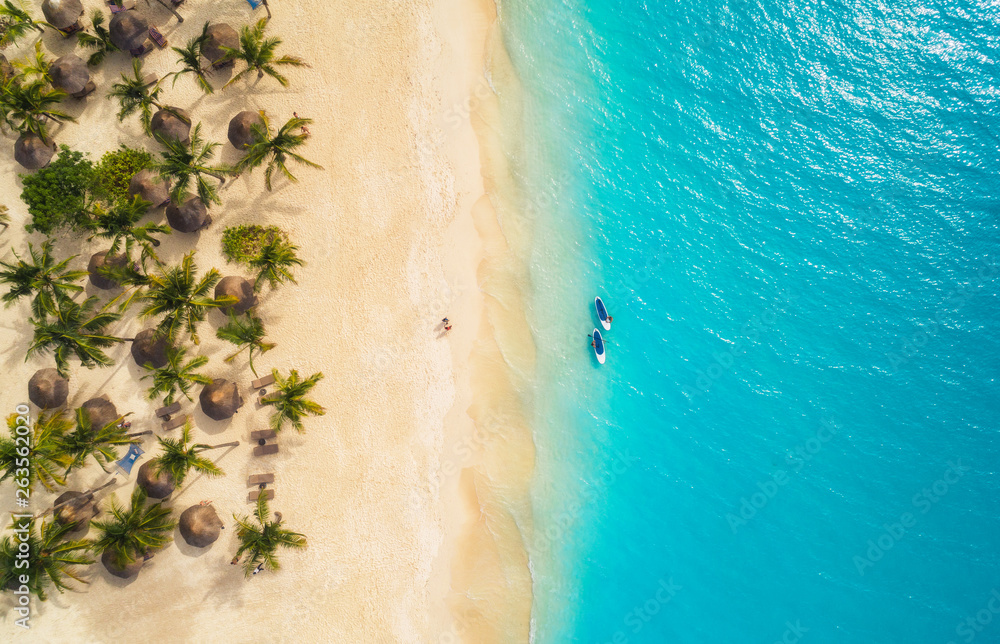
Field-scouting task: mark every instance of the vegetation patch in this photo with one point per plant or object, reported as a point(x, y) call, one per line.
point(56, 195)
point(243, 243)
point(116, 169)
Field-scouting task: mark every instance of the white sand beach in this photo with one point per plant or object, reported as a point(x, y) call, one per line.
point(413, 521)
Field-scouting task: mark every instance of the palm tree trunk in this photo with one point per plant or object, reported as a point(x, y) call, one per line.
point(268, 9)
point(179, 17)
point(148, 431)
point(233, 444)
point(251, 362)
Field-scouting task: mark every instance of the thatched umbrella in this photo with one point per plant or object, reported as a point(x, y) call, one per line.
point(128, 571)
point(78, 508)
point(71, 75)
point(219, 35)
point(220, 399)
point(241, 133)
point(200, 525)
point(62, 14)
point(98, 260)
point(32, 151)
point(173, 123)
point(158, 485)
point(6, 69)
point(150, 187)
point(47, 389)
point(239, 288)
point(101, 411)
point(189, 217)
point(128, 30)
point(149, 347)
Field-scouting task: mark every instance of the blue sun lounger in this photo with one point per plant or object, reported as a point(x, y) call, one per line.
point(254, 3)
point(126, 463)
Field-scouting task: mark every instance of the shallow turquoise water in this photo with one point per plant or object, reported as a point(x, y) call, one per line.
point(791, 212)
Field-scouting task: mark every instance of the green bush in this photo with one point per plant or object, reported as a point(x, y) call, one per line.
point(115, 170)
point(57, 194)
point(243, 243)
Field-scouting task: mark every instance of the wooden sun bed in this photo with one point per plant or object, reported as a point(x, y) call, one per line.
point(262, 382)
point(142, 50)
point(262, 434)
point(157, 37)
point(163, 412)
point(176, 422)
point(264, 450)
point(255, 494)
point(255, 480)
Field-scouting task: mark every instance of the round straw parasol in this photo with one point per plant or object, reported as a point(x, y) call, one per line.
point(220, 399)
point(78, 509)
point(219, 35)
point(200, 525)
point(150, 187)
point(173, 123)
point(128, 30)
point(62, 14)
point(47, 389)
point(97, 260)
point(70, 74)
point(100, 411)
point(239, 288)
point(188, 217)
point(148, 347)
point(32, 151)
point(157, 486)
point(241, 133)
point(129, 571)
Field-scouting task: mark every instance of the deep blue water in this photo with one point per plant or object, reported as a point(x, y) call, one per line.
point(790, 210)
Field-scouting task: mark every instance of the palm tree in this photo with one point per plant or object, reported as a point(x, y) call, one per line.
point(245, 333)
point(135, 94)
point(45, 462)
point(39, 66)
point(260, 55)
point(178, 458)
point(131, 276)
point(275, 148)
point(100, 442)
point(45, 278)
point(190, 61)
point(120, 225)
point(76, 330)
point(290, 402)
point(4, 217)
point(176, 376)
point(15, 23)
point(274, 262)
point(48, 560)
point(262, 538)
point(26, 107)
point(100, 40)
point(181, 297)
point(184, 162)
point(133, 531)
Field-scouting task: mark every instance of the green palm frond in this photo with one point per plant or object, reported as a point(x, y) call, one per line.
point(274, 262)
point(260, 539)
point(290, 402)
point(259, 54)
point(46, 461)
point(246, 332)
point(51, 558)
point(76, 329)
point(276, 149)
point(47, 280)
point(179, 459)
point(184, 163)
point(133, 531)
point(177, 376)
point(181, 298)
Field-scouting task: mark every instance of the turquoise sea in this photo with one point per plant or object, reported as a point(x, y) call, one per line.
point(791, 210)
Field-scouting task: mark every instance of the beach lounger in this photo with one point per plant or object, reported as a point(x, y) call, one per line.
point(175, 423)
point(72, 29)
point(262, 434)
point(255, 494)
point(255, 480)
point(157, 37)
point(264, 450)
point(262, 382)
point(116, 9)
point(254, 3)
point(149, 79)
point(163, 412)
point(125, 464)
